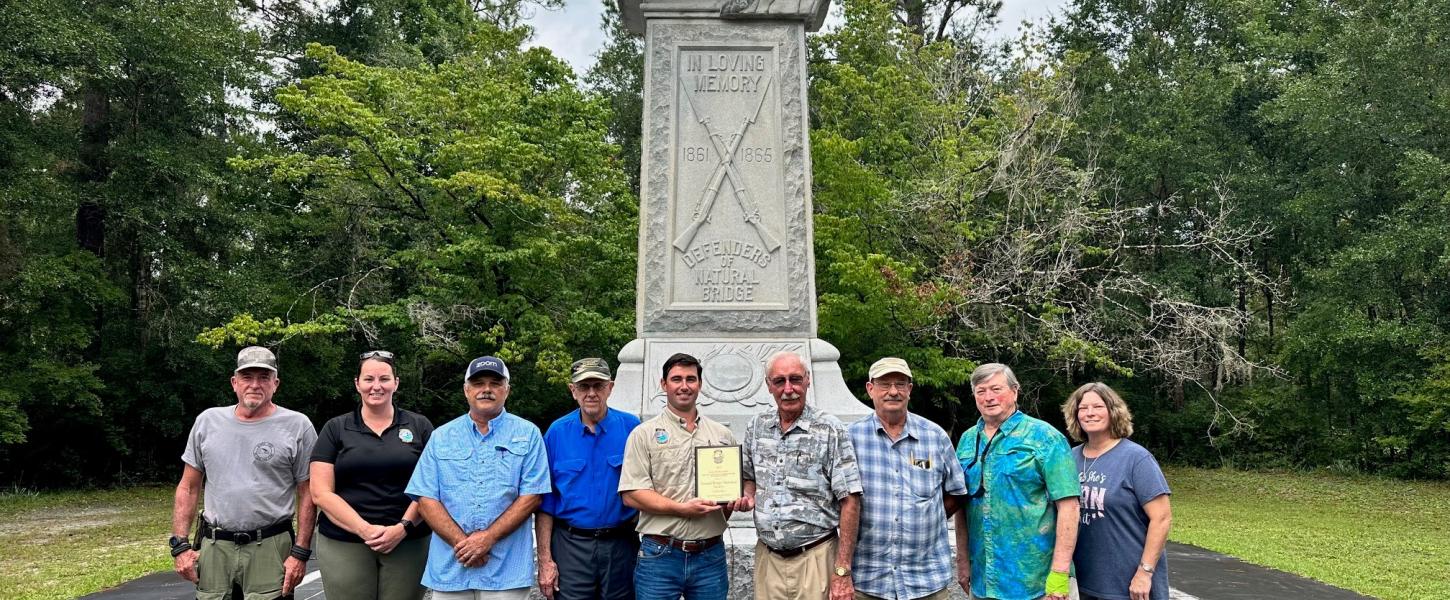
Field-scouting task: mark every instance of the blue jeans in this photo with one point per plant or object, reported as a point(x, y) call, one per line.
point(665, 573)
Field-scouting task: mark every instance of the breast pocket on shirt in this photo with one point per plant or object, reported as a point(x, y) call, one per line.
point(807, 459)
point(1020, 466)
point(924, 483)
point(665, 463)
point(616, 464)
point(507, 467)
point(498, 481)
point(454, 460)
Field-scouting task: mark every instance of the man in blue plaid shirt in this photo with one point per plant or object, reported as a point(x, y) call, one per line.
point(911, 477)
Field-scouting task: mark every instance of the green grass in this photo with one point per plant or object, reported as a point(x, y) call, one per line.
point(1385, 538)
point(1380, 537)
point(68, 544)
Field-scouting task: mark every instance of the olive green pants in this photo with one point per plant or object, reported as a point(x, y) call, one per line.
point(256, 568)
point(353, 571)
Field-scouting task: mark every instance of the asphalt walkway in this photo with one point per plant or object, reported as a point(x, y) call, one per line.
point(1194, 573)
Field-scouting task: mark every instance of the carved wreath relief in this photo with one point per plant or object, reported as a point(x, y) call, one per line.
point(729, 186)
point(734, 373)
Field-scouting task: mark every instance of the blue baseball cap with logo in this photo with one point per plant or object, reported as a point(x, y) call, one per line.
point(486, 364)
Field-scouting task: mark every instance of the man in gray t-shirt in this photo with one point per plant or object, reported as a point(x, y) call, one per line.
point(252, 458)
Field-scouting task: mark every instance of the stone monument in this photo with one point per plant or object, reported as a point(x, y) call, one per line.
point(726, 266)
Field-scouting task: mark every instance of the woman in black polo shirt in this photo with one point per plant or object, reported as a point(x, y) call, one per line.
point(372, 543)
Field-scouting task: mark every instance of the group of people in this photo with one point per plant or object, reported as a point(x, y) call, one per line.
point(855, 511)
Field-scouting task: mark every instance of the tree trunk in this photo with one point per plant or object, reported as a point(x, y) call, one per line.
point(95, 169)
point(914, 12)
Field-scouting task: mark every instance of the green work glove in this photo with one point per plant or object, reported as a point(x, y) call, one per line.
point(1057, 584)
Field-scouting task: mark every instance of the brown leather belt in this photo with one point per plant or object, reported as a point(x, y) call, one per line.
point(690, 546)
point(789, 552)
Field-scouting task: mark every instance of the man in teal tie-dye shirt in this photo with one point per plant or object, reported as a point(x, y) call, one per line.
point(1021, 517)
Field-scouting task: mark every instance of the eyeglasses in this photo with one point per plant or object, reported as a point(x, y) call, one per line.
point(889, 385)
point(795, 380)
point(591, 385)
point(382, 355)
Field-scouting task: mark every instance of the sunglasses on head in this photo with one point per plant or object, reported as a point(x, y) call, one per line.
point(382, 355)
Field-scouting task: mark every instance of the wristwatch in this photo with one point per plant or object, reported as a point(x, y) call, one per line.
point(1146, 568)
point(408, 525)
point(842, 571)
point(178, 544)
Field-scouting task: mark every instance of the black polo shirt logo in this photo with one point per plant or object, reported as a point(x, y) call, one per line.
point(406, 435)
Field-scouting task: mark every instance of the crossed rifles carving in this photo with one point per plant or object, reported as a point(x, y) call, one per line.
point(726, 150)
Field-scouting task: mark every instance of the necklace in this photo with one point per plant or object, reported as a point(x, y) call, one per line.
point(1086, 466)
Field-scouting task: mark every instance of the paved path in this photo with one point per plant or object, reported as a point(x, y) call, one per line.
point(1195, 573)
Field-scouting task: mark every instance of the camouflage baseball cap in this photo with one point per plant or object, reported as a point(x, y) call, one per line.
point(256, 357)
point(890, 364)
point(589, 368)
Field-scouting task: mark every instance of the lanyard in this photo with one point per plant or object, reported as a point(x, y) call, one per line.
point(979, 452)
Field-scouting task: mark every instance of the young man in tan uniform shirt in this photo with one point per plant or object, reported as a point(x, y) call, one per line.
point(680, 551)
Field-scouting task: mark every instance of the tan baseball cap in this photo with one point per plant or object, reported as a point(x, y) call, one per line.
point(890, 364)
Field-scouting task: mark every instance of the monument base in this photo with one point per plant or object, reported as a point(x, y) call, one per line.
point(733, 389)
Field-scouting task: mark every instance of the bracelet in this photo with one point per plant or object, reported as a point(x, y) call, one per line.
point(179, 548)
point(300, 553)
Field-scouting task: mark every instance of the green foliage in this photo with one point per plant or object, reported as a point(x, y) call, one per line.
point(490, 212)
point(618, 76)
point(1315, 121)
point(1237, 211)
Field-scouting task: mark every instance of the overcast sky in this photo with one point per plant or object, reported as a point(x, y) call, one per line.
point(574, 34)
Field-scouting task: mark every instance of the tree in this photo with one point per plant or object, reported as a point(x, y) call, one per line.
point(121, 123)
point(618, 76)
point(952, 205)
point(477, 208)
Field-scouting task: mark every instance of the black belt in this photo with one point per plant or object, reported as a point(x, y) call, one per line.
point(244, 537)
point(690, 546)
point(625, 529)
point(789, 552)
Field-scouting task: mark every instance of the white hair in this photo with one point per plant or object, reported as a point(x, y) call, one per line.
point(782, 355)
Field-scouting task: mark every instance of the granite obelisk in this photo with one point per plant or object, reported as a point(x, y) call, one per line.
point(726, 267)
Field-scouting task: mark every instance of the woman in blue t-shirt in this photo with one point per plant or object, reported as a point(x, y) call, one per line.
point(1125, 514)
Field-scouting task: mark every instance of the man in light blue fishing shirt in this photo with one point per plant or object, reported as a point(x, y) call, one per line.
point(477, 484)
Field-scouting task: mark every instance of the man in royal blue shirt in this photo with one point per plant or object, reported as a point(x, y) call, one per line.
point(586, 535)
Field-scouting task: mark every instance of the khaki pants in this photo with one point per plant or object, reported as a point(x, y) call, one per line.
point(941, 594)
point(805, 576)
point(255, 567)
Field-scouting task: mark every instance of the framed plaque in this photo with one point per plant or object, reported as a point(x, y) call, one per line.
point(718, 473)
